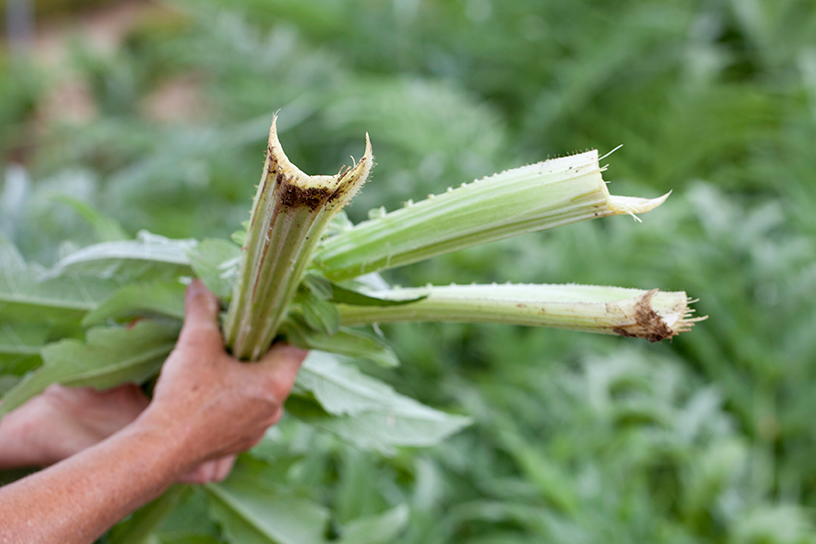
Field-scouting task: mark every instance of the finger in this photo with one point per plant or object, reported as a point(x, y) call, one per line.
point(254, 441)
point(276, 417)
point(279, 368)
point(201, 474)
point(223, 468)
point(200, 309)
point(194, 476)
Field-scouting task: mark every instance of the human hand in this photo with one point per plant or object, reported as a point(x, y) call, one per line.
point(210, 402)
point(66, 420)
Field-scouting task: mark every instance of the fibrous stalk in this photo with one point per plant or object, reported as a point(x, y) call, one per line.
point(289, 213)
point(654, 315)
point(534, 197)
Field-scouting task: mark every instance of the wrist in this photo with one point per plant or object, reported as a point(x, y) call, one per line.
point(166, 436)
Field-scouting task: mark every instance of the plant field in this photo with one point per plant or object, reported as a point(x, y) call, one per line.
point(573, 438)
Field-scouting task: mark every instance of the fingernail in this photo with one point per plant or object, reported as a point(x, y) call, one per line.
point(297, 352)
point(293, 350)
point(195, 287)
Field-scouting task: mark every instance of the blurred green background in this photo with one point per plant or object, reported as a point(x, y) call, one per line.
point(157, 113)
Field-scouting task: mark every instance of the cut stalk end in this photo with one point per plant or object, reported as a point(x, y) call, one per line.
point(289, 214)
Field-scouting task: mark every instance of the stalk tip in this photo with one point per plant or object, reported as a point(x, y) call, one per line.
point(633, 205)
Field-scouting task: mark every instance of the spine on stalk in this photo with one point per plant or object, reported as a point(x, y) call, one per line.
point(654, 315)
point(289, 214)
point(534, 197)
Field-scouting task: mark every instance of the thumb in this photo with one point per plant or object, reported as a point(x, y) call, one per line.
point(200, 309)
point(279, 368)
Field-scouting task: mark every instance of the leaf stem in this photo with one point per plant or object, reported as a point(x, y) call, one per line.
point(534, 197)
point(290, 211)
point(654, 315)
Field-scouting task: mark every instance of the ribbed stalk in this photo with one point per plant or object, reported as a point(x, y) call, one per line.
point(654, 315)
point(534, 197)
point(289, 214)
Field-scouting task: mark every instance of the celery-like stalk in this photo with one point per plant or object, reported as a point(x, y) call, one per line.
point(290, 211)
point(534, 197)
point(654, 315)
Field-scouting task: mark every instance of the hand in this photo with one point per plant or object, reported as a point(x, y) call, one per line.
point(65, 420)
point(228, 405)
point(214, 404)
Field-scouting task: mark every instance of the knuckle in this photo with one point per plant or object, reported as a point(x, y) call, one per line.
point(276, 416)
point(202, 337)
point(277, 387)
point(204, 300)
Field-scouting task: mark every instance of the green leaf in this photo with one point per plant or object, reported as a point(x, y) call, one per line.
point(106, 228)
point(379, 529)
point(251, 510)
point(368, 412)
point(188, 539)
point(150, 256)
point(240, 236)
point(341, 389)
point(8, 382)
point(408, 424)
point(215, 262)
point(321, 315)
point(20, 346)
point(348, 342)
point(161, 298)
point(318, 286)
point(111, 356)
point(342, 295)
point(140, 526)
point(25, 299)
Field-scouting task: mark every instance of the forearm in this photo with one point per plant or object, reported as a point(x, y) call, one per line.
point(76, 500)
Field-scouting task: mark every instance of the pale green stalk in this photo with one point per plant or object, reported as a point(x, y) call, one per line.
point(534, 197)
point(654, 315)
point(289, 214)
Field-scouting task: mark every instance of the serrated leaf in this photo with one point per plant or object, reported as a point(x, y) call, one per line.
point(161, 298)
point(348, 342)
point(25, 299)
point(411, 424)
point(368, 412)
point(239, 237)
point(321, 315)
point(216, 262)
point(379, 529)
point(188, 539)
point(106, 228)
point(341, 389)
point(20, 346)
point(253, 511)
point(318, 286)
point(111, 356)
point(8, 382)
point(150, 256)
point(139, 527)
point(341, 295)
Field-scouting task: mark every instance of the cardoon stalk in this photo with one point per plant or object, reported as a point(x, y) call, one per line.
point(654, 315)
point(535, 197)
point(289, 213)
